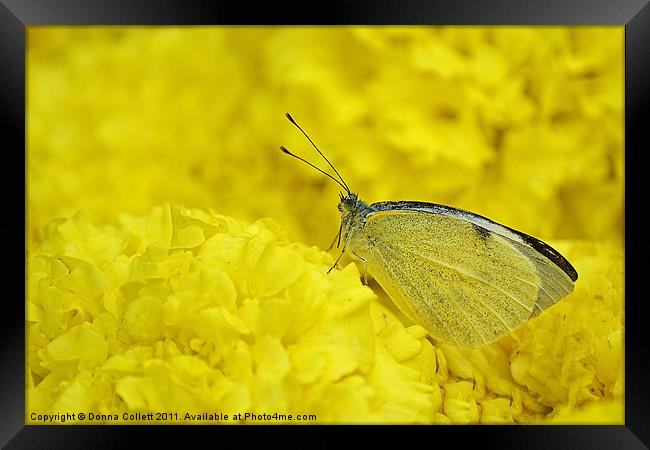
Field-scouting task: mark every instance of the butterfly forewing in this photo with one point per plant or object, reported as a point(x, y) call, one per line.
point(466, 283)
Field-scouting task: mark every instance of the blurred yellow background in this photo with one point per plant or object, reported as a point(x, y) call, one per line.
point(521, 124)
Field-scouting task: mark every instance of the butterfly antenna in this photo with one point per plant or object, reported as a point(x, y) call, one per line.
point(343, 183)
point(320, 170)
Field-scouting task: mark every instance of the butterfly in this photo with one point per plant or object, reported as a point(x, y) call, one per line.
point(466, 279)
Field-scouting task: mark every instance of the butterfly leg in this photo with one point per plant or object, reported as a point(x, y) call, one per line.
point(336, 262)
point(345, 245)
point(336, 239)
point(365, 273)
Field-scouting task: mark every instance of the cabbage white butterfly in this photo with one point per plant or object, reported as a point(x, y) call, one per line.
point(465, 278)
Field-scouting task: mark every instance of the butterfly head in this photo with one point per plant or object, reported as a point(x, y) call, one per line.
point(348, 203)
point(354, 213)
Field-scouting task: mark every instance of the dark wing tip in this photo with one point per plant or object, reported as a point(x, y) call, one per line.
point(553, 255)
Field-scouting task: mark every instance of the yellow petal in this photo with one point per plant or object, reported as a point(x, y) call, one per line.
point(143, 319)
point(81, 343)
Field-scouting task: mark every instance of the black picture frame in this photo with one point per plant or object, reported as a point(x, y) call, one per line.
point(634, 15)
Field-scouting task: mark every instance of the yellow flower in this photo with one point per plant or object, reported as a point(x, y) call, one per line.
point(198, 312)
point(517, 123)
point(188, 311)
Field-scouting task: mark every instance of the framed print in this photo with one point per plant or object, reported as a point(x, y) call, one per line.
point(186, 264)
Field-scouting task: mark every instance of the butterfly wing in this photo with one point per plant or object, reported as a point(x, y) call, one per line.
point(466, 283)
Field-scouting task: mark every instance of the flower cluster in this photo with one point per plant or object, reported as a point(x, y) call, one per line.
point(178, 308)
point(520, 124)
point(188, 311)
